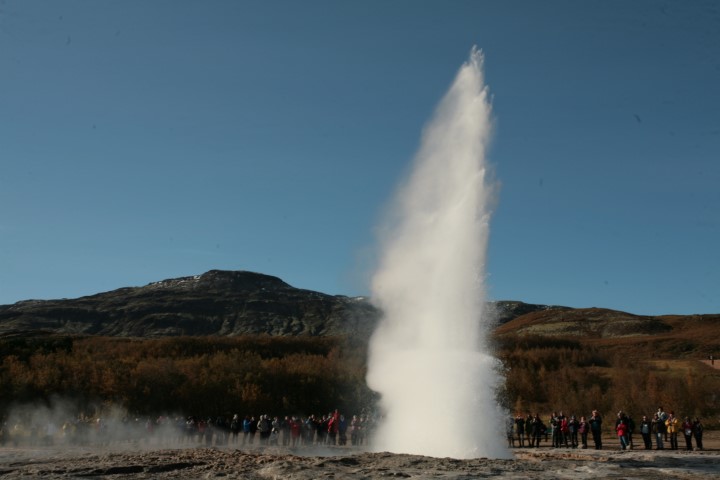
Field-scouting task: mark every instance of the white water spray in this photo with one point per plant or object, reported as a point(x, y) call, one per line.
point(437, 388)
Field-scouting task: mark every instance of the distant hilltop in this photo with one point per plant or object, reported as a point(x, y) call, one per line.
point(231, 303)
point(215, 303)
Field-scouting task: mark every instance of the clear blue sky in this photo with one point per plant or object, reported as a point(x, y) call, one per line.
point(144, 140)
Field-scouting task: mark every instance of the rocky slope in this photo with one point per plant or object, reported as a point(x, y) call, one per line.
point(215, 303)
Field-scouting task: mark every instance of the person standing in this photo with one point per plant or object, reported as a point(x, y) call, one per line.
point(285, 427)
point(246, 429)
point(645, 431)
point(687, 428)
point(529, 429)
point(275, 430)
point(698, 432)
point(309, 429)
point(520, 430)
point(583, 428)
point(659, 430)
point(333, 427)
point(342, 431)
point(622, 429)
point(354, 430)
point(509, 431)
point(538, 429)
point(295, 431)
point(321, 430)
point(631, 430)
point(235, 427)
point(265, 429)
point(555, 430)
point(564, 430)
point(573, 426)
point(672, 425)
point(662, 415)
point(253, 430)
point(596, 429)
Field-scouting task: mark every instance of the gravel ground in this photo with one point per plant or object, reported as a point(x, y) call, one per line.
point(337, 463)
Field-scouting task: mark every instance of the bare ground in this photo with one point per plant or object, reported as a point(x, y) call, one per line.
point(341, 463)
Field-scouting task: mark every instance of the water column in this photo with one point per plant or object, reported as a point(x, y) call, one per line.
point(426, 357)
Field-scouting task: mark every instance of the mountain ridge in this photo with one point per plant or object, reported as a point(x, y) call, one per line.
point(236, 302)
point(218, 302)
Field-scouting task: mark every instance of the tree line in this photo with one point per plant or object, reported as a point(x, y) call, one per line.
point(201, 375)
point(545, 374)
point(303, 375)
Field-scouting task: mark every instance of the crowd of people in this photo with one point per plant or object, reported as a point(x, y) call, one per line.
point(562, 431)
point(330, 429)
point(263, 430)
point(573, 432)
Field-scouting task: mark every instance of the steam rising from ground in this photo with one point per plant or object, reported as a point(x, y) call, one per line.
point(437, 388)
point(61, 422)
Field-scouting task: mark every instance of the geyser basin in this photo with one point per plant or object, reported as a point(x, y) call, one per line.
point(437, 387)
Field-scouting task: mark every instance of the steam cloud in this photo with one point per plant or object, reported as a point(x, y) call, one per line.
point(437, 387)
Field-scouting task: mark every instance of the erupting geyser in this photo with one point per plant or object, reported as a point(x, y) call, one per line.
point(437, 387)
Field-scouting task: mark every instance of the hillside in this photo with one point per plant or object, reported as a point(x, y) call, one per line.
point(585, 359)
point(226, 340)
point(236, 303)
point(636, 335)
point(226, 303)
